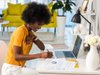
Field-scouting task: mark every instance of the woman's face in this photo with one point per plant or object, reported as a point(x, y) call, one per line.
point(35, 26)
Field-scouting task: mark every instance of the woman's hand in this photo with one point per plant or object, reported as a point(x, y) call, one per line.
point(46, 54)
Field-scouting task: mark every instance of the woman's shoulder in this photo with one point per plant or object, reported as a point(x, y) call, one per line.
point(21, 28)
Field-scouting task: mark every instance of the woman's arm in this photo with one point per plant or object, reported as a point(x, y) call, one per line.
point(20, 56)
point(33, 38)
point(39, 43)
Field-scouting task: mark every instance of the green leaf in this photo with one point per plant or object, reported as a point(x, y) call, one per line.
point(65, 5)
point(72, 3)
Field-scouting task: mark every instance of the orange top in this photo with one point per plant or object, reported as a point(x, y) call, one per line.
point(18, 39)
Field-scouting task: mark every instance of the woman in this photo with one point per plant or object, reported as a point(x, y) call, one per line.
point(35, 15)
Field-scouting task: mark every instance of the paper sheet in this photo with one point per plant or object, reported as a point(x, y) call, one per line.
point(56, 64)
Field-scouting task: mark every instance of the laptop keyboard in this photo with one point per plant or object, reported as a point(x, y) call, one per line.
point(68, 54)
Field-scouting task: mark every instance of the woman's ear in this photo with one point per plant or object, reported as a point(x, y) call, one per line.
point(28, 25)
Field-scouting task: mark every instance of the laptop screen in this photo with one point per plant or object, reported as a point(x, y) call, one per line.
point(77, 45)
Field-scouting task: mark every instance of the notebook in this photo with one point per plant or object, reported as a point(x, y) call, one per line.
point(70, 53)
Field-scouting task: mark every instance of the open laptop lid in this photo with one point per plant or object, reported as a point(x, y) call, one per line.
point(77, 46)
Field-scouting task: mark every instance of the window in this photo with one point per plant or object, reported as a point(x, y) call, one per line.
point(27, 1)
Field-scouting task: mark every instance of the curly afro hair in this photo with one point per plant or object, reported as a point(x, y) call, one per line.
point(35, 12)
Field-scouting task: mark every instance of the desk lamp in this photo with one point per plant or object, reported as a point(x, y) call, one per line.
point(77, 19)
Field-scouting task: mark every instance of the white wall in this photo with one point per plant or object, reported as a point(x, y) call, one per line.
point(97, 11)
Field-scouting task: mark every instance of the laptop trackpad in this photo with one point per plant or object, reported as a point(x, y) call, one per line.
point(64, 54)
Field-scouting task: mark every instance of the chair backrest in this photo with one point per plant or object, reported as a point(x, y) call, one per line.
point(3, 49)
point(52, 23)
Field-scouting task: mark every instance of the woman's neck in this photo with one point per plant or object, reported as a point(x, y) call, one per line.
point(28, 27)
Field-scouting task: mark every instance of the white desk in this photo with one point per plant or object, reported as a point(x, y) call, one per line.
point(78, 71)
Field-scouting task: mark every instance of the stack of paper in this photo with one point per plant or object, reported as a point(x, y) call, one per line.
point(56, 64)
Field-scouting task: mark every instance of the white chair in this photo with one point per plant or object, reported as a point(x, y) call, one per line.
point(3, 49)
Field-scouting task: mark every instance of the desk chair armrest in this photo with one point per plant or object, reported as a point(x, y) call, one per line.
point(54, 18)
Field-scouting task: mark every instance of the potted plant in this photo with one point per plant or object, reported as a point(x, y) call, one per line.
point(62, 6)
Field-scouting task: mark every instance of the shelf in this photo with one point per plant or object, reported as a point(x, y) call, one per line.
point(88, 13)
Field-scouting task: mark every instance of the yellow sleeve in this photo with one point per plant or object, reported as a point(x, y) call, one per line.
point(19, 37)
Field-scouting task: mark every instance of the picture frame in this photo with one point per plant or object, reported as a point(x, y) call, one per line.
point(84, 5)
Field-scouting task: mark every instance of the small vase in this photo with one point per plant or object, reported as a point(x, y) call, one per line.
point(92, 59)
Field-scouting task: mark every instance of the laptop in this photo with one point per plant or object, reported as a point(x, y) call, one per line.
point(70, 53)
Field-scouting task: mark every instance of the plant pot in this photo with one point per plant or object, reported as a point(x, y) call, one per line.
point(61, 21)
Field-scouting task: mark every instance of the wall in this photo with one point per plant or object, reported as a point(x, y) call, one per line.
point(94, 19)
point(97, 20)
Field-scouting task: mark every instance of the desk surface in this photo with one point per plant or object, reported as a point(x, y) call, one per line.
point(81, 70)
